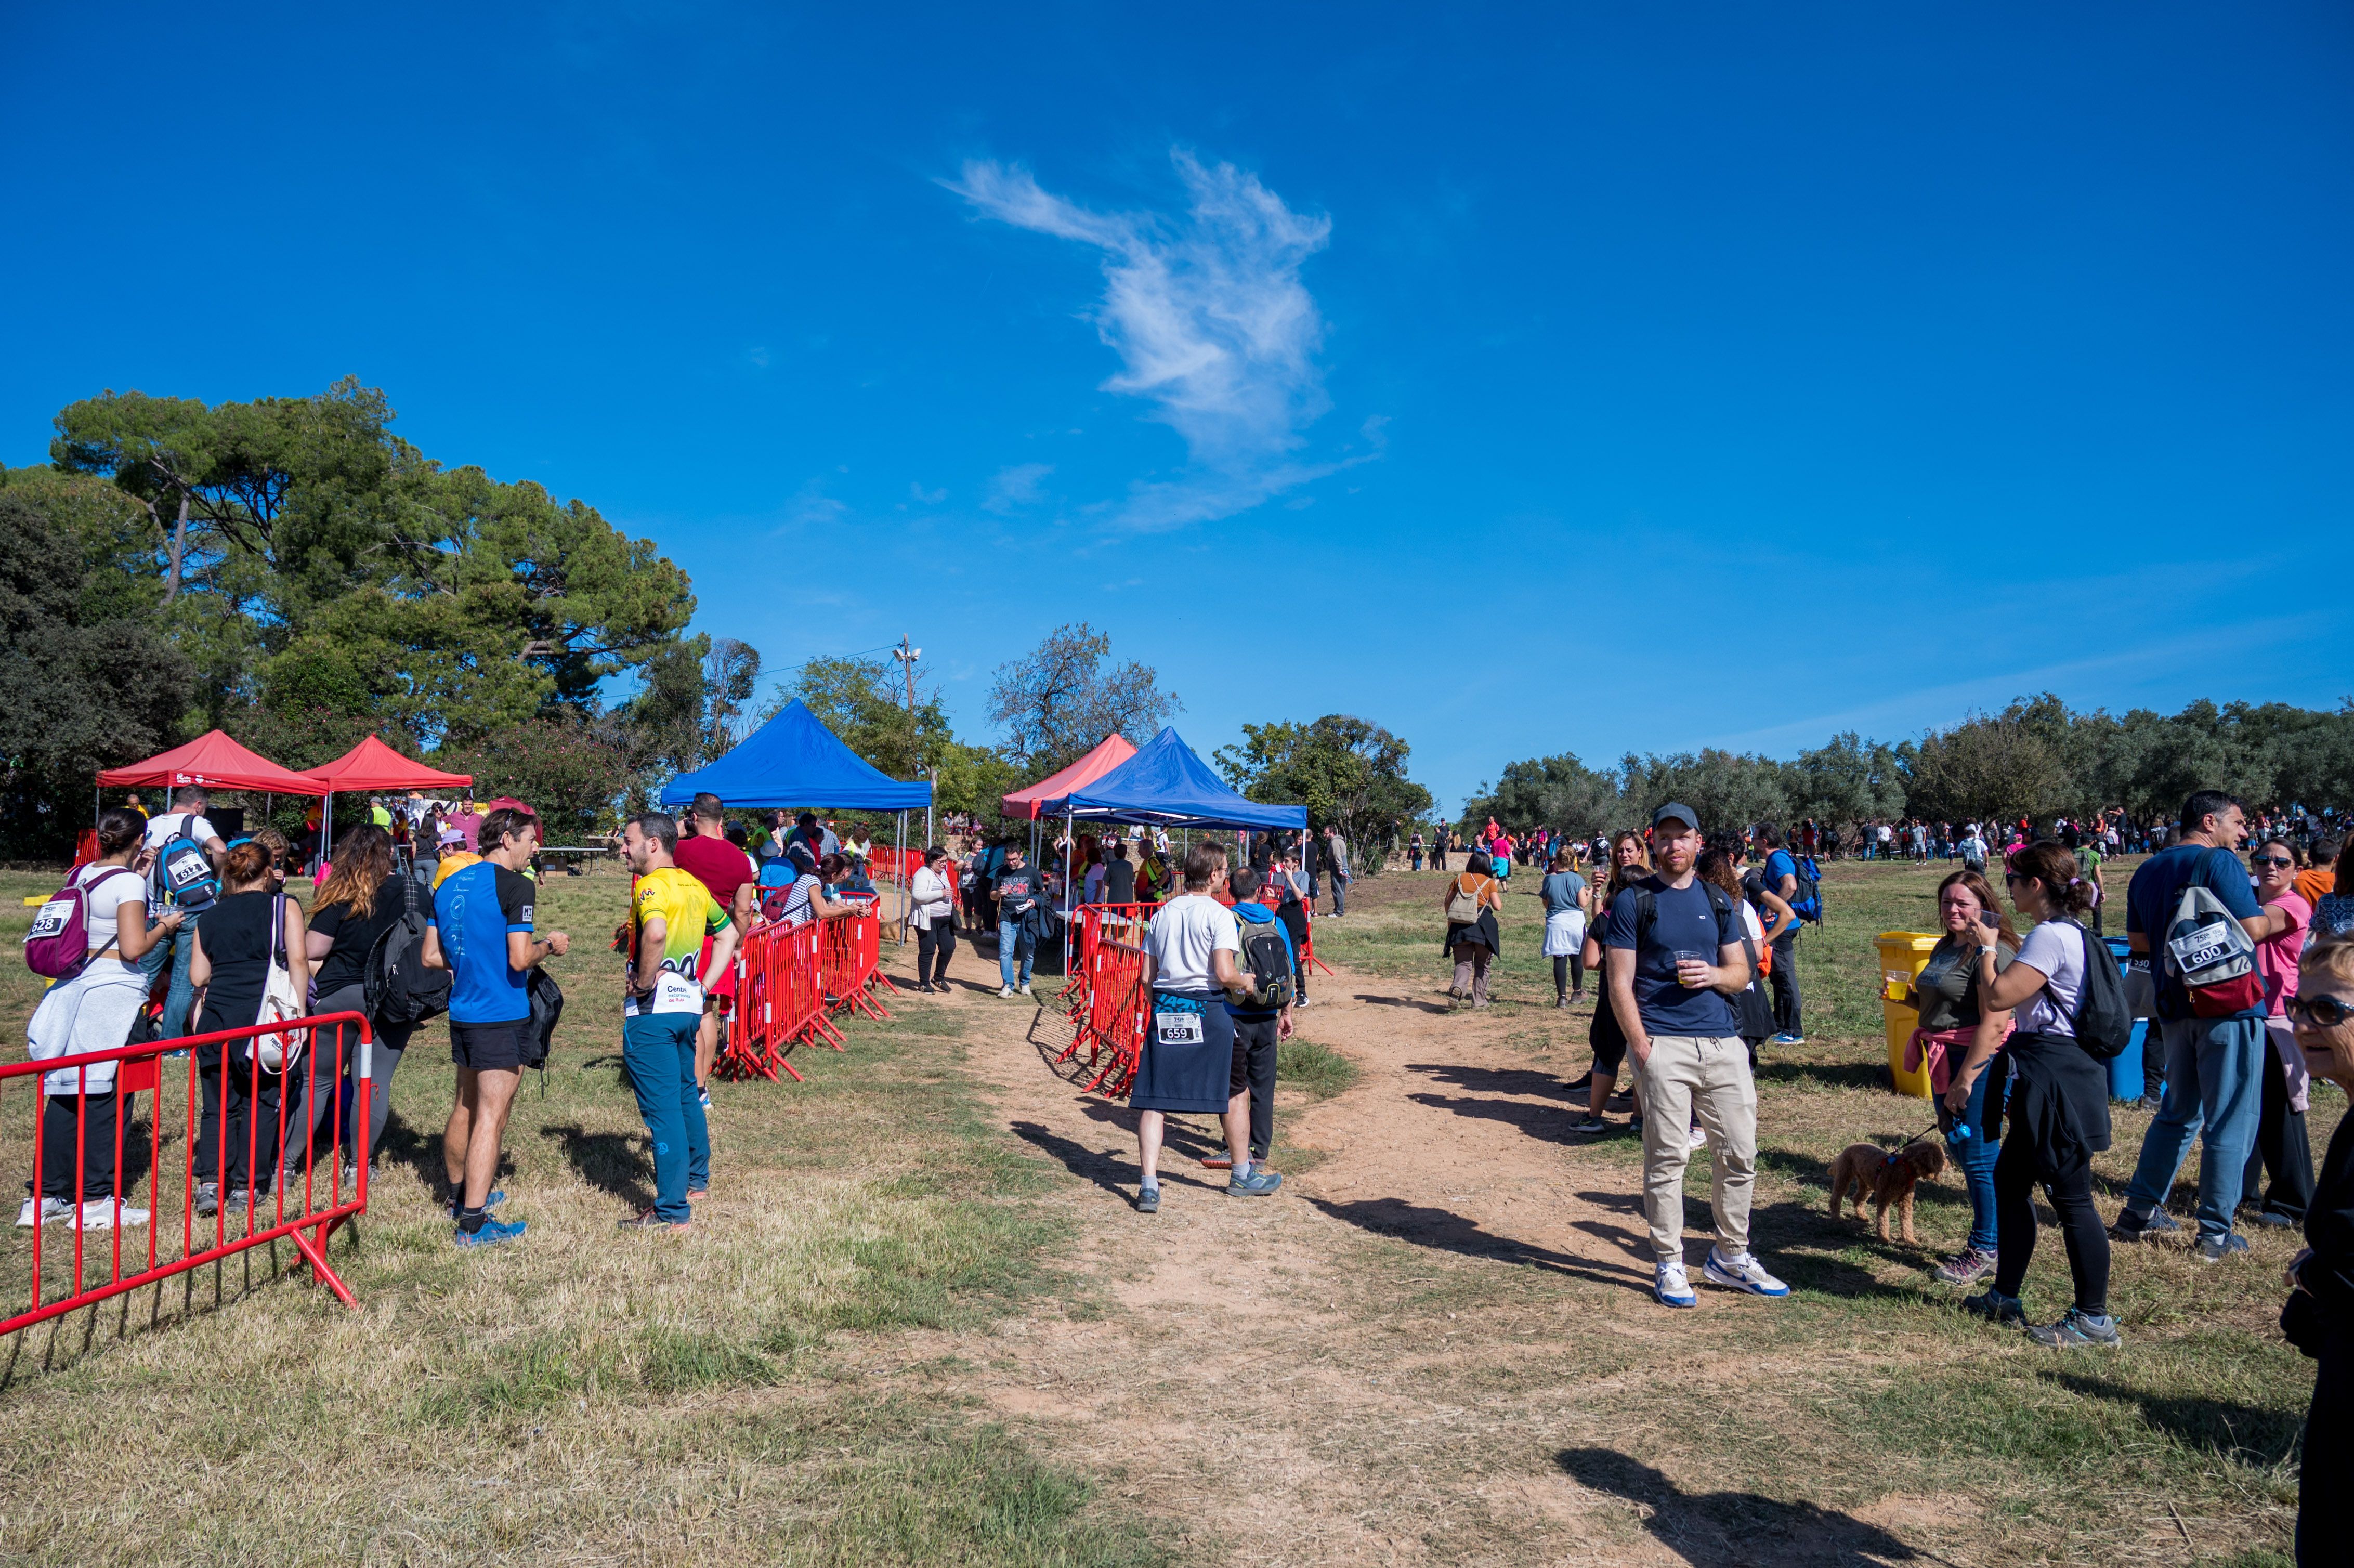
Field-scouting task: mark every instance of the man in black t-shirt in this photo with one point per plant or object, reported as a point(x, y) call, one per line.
point(1675, 956)
point(1019, 892)
point(1120, 875)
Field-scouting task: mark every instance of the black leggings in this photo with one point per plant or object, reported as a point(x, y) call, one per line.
point(2328, 1453)
point(2080, 1221)
point(89, 1118)
point(1567, 970)
point(935, 946)
point(1296, 923)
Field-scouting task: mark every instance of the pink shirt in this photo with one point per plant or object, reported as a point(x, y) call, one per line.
point(2276, 954)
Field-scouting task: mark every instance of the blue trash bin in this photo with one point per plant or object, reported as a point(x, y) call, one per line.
point(2125, 1072)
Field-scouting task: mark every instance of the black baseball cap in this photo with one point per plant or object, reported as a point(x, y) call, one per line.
point(1676, 810)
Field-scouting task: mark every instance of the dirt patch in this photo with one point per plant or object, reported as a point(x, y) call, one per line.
point(1384, 1361)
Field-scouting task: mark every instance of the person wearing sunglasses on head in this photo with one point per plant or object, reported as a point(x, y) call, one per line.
point(2318, 1317)
point(2281, 1145)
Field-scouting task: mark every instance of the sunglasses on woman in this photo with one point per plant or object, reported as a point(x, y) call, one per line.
point(2323, 1012)
point(2282, 861)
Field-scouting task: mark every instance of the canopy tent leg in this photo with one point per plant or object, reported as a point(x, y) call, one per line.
point(1070, 866)
point(899, 879)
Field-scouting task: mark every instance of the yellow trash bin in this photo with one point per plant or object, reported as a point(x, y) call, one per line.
point(1902, 956)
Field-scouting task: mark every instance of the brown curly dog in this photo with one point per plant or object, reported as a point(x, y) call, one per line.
point(1890, 1179)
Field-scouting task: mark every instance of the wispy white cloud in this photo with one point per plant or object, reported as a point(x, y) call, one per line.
point(1210, 320)
point(928, 497)
point(1016, 487)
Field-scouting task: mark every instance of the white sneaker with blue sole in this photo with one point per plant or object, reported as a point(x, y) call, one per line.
point(1672, 1288)
point(1744, 1273)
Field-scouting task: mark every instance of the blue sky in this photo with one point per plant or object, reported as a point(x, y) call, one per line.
point(1587, 379)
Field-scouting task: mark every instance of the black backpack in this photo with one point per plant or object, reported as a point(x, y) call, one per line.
point(2102, 1020)
point(395, 986)
point(1266, 959)
point(547, 1010)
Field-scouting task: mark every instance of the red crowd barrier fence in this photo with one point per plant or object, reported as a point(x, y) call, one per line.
point(228, 1119)
point(790, 978)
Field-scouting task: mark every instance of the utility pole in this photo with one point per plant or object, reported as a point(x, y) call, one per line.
point(906, 653)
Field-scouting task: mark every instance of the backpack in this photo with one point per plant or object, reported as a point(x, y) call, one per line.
point(1267, 961)
point(58, 947)
point(1806, 897)
point(546, 1010)
point(1463, 908)
point(281, 1004)
point(395, 985)
point(2103, 1019)
point(184, 876)
point(2214, 956)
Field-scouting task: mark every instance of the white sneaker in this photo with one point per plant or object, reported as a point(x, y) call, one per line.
point(49, 1209)
point(1025, 987)
point(106, 1214)
point(1006, 990)
point(1699, 1137)
point(1672, 1288)
point(1742, 1273)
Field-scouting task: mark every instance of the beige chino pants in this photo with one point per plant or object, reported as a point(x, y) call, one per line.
point(1691, 1078)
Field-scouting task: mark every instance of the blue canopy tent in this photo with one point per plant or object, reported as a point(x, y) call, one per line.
point(794, 760)
point(1164, 785)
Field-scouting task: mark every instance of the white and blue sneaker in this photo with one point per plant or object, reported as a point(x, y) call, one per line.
point(1787, 1038)
point(1742, 1273)
point(1672, 1288)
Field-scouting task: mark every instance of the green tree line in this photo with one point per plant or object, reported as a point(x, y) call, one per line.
point(2037, 758)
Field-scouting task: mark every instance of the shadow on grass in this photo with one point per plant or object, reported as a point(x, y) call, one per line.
point(1714, 1528)
point(1117, 1173)
point(607, 1162)
point(2243, 1433)
point(1437, 1007)
point(1825, 1074)
point(1497, 1080)
point(1549, 1124)
point(1449, 1232)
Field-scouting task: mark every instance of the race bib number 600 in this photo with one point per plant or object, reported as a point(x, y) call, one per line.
point(1178, 1028)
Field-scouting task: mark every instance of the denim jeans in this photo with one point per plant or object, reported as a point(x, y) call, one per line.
point(1974, 1157)
point(1014, 939)
point(176, 950)
point(2214, 1091)
point(659, 1051)
point(1340, 894)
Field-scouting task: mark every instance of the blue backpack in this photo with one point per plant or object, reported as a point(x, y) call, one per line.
point(184, 877)
point(1807, 898)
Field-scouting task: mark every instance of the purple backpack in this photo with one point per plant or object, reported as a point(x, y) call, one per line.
point(58, 947)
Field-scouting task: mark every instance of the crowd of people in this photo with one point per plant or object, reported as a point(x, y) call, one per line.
point(1690, 936)
point(2244, 967)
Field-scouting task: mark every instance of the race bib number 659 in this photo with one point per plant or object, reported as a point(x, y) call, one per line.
point(1178, 1028)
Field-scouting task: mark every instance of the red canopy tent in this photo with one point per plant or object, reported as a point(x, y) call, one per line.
point(373, 765)
point(1110, 754)
point(213, 761)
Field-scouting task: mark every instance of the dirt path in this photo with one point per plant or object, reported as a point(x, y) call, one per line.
point(1407, 1354)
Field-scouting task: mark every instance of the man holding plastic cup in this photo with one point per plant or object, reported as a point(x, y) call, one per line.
point(1675, 959)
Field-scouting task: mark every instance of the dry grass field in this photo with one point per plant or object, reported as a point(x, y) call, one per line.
point(918, 1322)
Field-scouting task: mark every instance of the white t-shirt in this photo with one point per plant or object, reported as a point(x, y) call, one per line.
point(2057, 948)
point(1182, 937)
point(107, 889)
point(162, 828)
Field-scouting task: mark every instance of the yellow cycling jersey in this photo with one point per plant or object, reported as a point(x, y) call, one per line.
point(688, 913)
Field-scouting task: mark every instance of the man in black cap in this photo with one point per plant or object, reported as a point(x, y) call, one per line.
point(1676, 957)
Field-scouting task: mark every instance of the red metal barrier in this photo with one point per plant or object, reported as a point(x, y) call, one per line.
point(789, 979)
point(321, 1205)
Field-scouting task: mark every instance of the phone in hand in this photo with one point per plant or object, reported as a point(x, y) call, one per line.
point(1991, 920)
